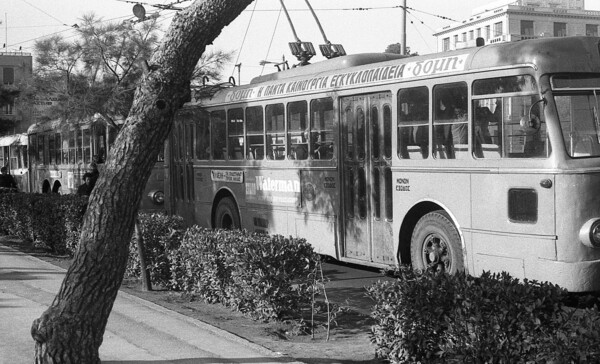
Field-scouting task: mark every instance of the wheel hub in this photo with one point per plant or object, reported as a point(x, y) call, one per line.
point(436, 254)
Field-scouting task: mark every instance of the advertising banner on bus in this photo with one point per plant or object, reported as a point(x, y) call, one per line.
point(273, 187)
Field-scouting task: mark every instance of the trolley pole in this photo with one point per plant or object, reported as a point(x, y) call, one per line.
point(403, 29)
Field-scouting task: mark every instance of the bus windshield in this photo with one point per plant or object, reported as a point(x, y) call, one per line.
point(578, 114)
point(577, 100)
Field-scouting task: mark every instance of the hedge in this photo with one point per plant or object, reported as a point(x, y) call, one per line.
point(161, 234)
point(437, 318)
point(264, 276)
point(51, 220)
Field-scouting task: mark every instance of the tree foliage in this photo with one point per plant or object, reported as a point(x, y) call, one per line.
point(397, 49)
point(211, 66)
point(97, 72)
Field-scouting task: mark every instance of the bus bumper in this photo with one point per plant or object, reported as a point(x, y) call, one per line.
point(574, 276)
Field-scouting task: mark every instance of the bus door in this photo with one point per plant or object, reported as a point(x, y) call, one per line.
point(182, 171)
point(365, 170)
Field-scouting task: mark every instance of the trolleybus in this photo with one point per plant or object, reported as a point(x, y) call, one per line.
point(482, 159)
point(61, 152)
point(13, 156)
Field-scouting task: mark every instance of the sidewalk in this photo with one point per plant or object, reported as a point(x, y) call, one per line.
point(137, 332)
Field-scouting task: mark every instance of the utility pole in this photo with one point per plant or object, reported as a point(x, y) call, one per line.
point(403, 30)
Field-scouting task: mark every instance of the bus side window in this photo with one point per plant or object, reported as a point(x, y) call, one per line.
point(413, 123)
point(321, 129)
point(275, 127)
point(203, 137)
point(509, 133)
point(235, 133)
point(217, 122)
point(450, 124)
point(487, 128)
point(297, 130)
point(65, 148)
point(255, 138)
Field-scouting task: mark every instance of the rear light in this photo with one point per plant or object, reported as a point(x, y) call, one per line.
point(157, 197)
point(590, 233)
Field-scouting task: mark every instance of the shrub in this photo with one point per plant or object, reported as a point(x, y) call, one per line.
point(48, 219)
point(491, 319)
point(161, 234)
point(264, 276)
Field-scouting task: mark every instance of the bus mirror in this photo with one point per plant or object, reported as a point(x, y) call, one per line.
point(532, 122)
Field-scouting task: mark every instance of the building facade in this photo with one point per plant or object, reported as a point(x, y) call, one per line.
point(15, 68)
point(507, 21)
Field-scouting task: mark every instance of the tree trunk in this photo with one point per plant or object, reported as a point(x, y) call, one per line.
point(71, 329)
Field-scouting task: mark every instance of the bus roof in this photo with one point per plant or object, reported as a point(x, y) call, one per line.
point(547, 55)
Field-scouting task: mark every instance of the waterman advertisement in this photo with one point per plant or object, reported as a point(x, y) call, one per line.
point(273, 187)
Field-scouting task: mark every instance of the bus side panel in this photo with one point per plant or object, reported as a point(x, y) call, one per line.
point(451, 192)
point(204, 192)
point(513, 222)
point(317, 221)
point(581, 205)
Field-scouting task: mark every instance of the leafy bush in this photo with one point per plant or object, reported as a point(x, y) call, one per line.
point(48, 219)
point(436, 318)
point(161, 234)
point(264, 276)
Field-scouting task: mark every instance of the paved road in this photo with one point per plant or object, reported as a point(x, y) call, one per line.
point(137, 332)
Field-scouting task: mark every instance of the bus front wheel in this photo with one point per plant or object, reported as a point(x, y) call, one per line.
point(435, 244)
point(226, 214)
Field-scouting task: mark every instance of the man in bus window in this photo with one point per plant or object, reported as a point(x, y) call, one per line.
point(6, 179)
point(94, 173)
point(443, 133)
point(86, 188)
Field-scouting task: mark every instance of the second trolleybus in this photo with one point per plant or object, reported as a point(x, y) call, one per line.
point(62, 151)
point(482, 159)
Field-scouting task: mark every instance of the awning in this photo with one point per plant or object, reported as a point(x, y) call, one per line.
point(17, 139)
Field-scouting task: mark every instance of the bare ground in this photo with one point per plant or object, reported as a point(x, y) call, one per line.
point(348, 341)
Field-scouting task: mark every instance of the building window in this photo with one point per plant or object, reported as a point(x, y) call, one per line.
point(560, 29)
point(591, 30)
point(8, 75)
point(497, 29)
point(464, 37)
point(8, 109)
point(487, 32)
point(446, 44)
point(455, 40)
point(527, 28)
point(478, 32)
point(471, 34)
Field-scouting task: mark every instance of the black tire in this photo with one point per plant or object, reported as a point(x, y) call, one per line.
point(435, 244)
point(226, 215)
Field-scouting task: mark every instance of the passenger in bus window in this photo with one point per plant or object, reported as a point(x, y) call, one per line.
point(444, 140)
point(481, 132)
point(86, 188)
point(94, 173)
point(460, 127)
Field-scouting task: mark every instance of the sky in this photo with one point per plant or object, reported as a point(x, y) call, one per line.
point(262, 32)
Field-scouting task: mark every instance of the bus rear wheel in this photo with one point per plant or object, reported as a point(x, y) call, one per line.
point(226, 214)
point(435, 244)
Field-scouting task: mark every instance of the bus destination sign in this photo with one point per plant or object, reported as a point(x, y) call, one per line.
point(227, 176)
point(367, 76)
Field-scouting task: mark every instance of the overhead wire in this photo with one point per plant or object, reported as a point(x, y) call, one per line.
point(244, 39)
point(271, 41)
